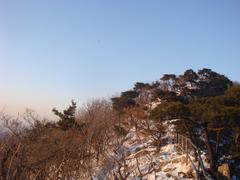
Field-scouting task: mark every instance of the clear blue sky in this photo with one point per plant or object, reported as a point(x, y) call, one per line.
point(54, 50)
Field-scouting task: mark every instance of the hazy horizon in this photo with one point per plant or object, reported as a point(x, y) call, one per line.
point(55, 51)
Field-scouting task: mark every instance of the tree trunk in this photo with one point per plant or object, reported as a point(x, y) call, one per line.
point(211, 155)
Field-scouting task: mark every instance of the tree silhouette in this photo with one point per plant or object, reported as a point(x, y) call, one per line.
point(67, 117)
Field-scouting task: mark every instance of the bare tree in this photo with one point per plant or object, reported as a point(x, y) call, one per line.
point(99, 120)
point(40, 150)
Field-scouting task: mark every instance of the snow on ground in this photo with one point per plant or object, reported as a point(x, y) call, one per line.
point(140, 157)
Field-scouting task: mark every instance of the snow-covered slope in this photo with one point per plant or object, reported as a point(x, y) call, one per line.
point(137, 157)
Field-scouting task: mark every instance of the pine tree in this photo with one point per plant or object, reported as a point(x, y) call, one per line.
point(67, 117)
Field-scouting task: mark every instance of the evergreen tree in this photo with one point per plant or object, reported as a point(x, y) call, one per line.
point(67, 117)
point(205, 116)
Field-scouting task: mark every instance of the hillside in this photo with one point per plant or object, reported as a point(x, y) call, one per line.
point(179, 127)
point(137, 157)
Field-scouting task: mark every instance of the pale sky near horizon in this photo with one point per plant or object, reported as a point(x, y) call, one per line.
point(52, 51)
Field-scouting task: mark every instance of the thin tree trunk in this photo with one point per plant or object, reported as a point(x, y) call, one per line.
point(211, 155)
